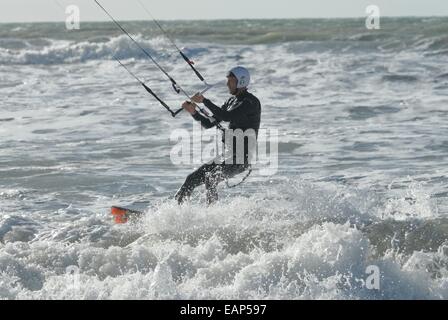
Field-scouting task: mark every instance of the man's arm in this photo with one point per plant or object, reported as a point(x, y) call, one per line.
point(239, 113)
point(205, 122)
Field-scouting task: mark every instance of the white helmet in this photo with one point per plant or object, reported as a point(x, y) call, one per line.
point(242, 75)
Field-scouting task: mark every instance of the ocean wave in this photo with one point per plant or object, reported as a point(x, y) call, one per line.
point(400, 78)
point(51, 44)
point(48, 51)
point(298, 241)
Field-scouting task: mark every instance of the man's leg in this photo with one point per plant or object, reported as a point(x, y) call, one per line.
point(193, 181)
point(218, 174)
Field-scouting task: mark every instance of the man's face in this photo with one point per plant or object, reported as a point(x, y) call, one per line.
point(231, 84)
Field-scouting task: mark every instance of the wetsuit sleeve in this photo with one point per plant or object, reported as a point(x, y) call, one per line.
point(241, 113)
point(206, 123)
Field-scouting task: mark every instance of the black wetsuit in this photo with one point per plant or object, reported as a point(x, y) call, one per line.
point(243, 112)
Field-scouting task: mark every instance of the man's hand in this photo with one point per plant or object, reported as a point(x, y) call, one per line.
point(187, 105)
point(198, 98)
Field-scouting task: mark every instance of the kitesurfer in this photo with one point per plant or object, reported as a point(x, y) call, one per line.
point(242, 111)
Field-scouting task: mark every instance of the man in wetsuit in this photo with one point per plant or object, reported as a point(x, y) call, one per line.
point(243, 111)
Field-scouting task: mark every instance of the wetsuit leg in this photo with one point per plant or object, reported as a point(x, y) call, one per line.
point(193, 181)
point(211, 174)
point(218, 174)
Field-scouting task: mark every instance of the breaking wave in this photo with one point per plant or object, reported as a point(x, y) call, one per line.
point(298, 241)
point(29, 43)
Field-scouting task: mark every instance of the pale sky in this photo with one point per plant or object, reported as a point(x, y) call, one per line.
point(53, 10)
